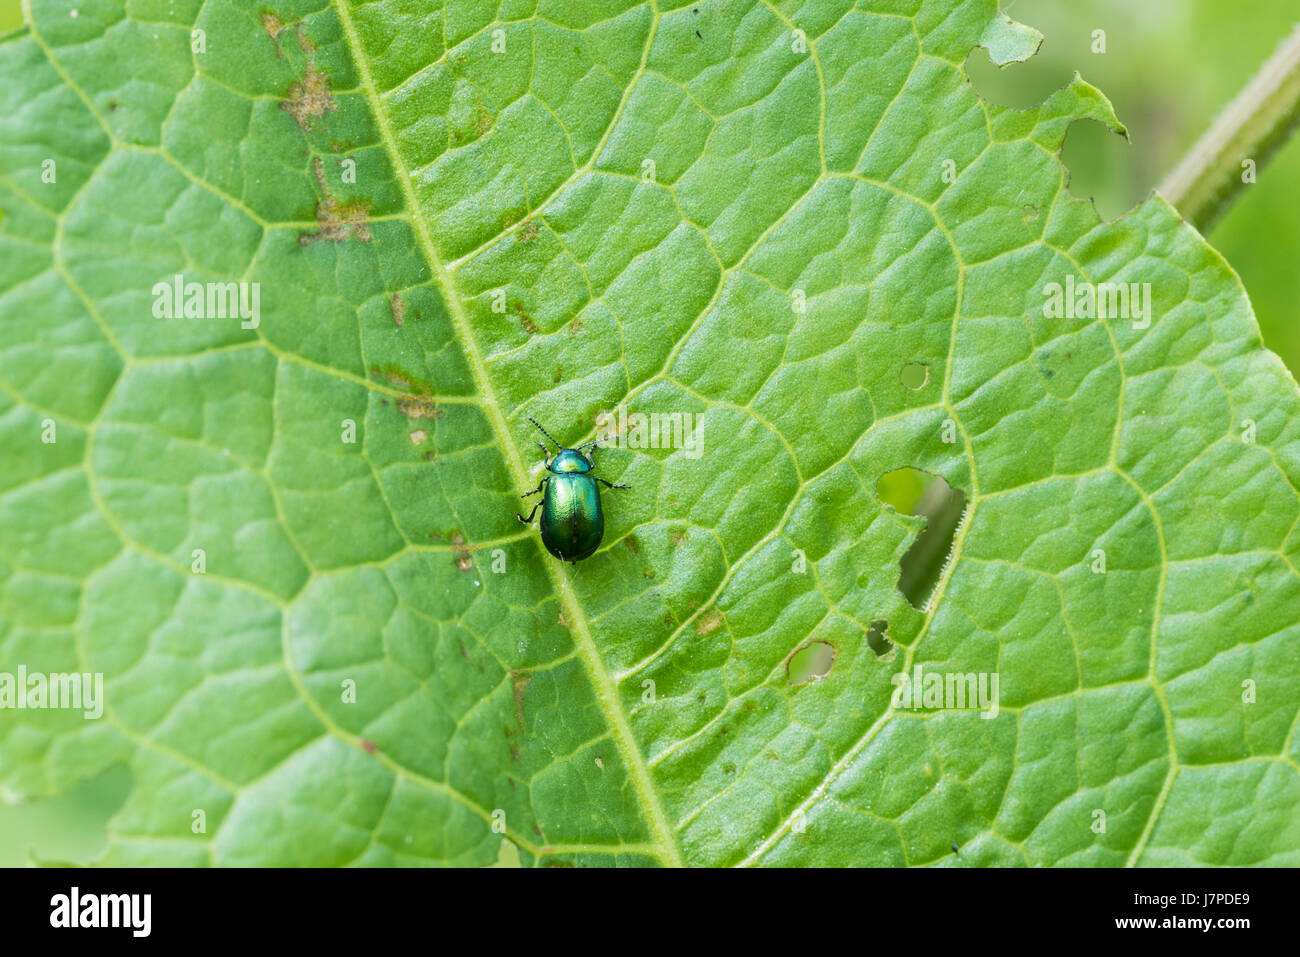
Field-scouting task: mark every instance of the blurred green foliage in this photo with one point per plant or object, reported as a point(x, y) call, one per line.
point(11, 14)
point(1169, 67)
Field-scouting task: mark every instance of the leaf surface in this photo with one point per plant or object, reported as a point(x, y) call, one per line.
point(753, 212)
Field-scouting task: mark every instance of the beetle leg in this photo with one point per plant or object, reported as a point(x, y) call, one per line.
point(540, 485)
point(609, 484)
point(529, 519)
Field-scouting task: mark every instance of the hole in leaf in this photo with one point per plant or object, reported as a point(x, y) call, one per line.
point(65, 829)
point(915, 375)
point(811, 662)
point(912, 491)
point(507, 855)
point(1021, 85)
point(878, 639)
point(1102, 168)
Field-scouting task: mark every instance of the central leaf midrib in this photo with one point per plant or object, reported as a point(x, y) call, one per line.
point(603, 685)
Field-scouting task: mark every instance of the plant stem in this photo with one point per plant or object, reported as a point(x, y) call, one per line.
point(1252, 127)
point(920, 568)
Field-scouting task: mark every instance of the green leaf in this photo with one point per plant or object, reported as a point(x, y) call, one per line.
point(350, 652)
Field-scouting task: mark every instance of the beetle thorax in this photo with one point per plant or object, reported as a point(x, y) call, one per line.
point(570, 460)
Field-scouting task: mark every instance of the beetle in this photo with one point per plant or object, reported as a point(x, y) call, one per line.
point(572, 521)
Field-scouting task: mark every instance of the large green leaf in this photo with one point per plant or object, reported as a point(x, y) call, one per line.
point(733, 208)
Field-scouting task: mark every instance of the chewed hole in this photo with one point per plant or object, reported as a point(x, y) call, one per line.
point(915, 375)
point(878, 639)
point(1103, 168)
point(811, 662)
point(1100, 165)
point(912, 491)
point(1020, 86)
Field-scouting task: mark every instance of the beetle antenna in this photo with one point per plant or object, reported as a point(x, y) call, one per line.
point(587, 445)
point(545, 433)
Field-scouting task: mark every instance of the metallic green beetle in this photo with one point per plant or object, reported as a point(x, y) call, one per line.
point(572, 521)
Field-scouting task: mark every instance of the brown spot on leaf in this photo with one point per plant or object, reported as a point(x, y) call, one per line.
point(464, 556)
point(309, 98)
point(418, 436)
point(520, 681)
point(337, 219)
point(527, 232)
point(307, 47)
point(368, 746)
point(631, 545)
point(484, 121)
point(400, 377)
point(525, 320)
point(709, 623)
point(273, 26)
point(414, 407)
point(398, 307)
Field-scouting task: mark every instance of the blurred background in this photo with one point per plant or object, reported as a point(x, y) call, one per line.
point(1169, 67)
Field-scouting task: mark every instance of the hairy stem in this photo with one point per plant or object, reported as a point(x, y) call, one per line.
point(1243, 138)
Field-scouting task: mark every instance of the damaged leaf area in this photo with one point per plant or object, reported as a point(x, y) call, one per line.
point(309, 98)
point(340, 221)
point(291, 549)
